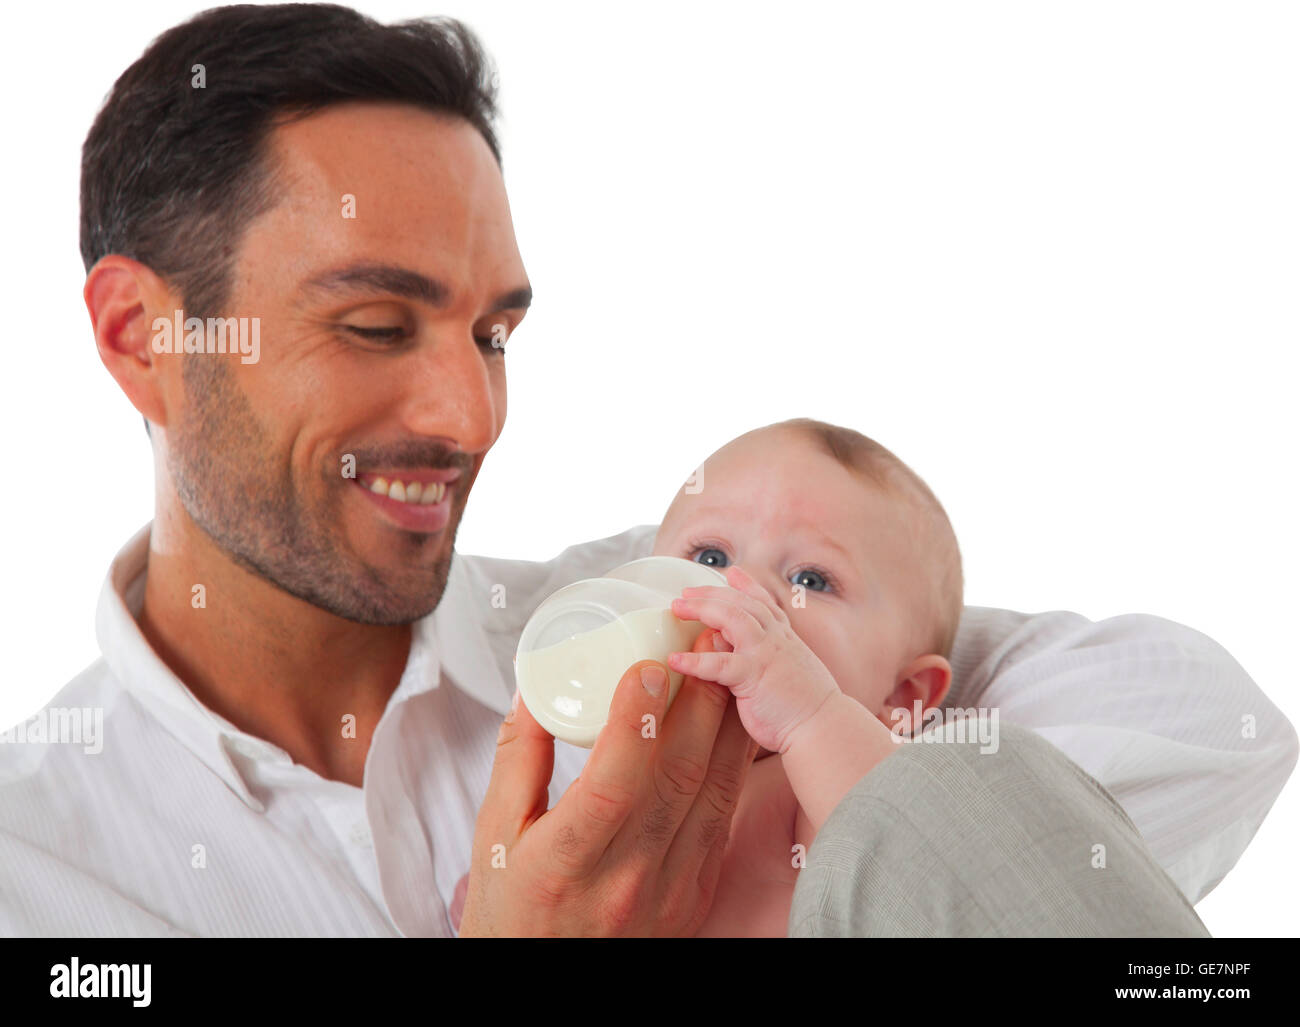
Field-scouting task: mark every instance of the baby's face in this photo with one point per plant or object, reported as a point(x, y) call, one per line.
point(791, 515)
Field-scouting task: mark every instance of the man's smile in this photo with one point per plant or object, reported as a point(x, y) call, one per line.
point(416, 500)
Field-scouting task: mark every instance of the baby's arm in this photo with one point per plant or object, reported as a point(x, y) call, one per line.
point(787, 699)
point(831, 752)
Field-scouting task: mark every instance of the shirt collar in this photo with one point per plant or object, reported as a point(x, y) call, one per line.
point(451, 630)
point(141, 672)
point(468, 658)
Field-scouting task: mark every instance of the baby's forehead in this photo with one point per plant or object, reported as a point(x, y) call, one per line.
point(814, 498)
point(810, 477)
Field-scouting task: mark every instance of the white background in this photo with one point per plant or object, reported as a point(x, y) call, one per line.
point(1045, 252)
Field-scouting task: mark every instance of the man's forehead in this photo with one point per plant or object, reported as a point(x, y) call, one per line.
point(398, 162)
point(392, 184)
point(341, 130)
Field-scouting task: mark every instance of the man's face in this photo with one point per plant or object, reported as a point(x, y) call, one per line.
point(380, 342)
point(792, 515)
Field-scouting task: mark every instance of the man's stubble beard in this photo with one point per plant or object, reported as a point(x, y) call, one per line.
point(220, 460)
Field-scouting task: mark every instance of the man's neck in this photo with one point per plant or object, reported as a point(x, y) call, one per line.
point(273, 665)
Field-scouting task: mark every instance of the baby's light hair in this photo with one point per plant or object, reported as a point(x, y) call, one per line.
point(869, 459)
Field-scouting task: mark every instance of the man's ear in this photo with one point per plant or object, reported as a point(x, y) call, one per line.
point(123, 298)
point(926, 680)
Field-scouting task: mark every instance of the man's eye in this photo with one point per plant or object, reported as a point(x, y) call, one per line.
point(717, 559)
point(811, 579)
point(495, 341)
point(383, 334)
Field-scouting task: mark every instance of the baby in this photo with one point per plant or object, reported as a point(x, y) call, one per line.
point(843, 598)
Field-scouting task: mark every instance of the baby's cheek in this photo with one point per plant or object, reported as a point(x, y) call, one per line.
point(856, 662)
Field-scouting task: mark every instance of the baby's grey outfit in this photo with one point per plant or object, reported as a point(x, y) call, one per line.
point(943, 840)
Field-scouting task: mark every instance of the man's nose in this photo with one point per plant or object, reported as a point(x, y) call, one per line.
point(451, 392)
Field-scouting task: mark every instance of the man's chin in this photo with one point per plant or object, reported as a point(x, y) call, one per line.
point(401, 584)
point(396, 599)
point(385, 612)
point(378, 594)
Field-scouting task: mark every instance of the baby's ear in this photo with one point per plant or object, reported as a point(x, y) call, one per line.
point(925, 680)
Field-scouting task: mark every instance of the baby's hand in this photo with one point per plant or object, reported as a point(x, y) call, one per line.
point(778, 682)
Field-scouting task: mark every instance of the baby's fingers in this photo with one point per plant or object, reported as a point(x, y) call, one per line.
point(739, 579)
point(716, 667)
point(740, 627)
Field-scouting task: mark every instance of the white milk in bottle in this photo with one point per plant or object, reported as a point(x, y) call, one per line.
point(582, 639)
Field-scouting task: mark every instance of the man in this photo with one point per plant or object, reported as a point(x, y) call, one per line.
point(303, 684)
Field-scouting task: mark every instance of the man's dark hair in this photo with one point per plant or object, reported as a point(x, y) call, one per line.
point(172, 174)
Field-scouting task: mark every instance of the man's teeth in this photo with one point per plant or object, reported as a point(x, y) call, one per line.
point(410, 492)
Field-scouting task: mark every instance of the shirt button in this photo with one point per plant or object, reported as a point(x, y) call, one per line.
point(360, 834)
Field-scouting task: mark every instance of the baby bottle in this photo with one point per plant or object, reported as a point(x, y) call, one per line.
point(581, 640)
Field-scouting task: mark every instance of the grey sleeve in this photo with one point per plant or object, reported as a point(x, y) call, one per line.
point(943, 840)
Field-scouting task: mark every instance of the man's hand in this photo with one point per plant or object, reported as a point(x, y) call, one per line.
point(635, 844)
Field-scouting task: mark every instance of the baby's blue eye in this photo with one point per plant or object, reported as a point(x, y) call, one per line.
point(719, 558)
point(809, 579)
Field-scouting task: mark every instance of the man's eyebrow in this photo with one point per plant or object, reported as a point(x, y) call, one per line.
point(401, 281)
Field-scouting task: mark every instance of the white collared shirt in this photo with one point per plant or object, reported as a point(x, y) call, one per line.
point(183, 824)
